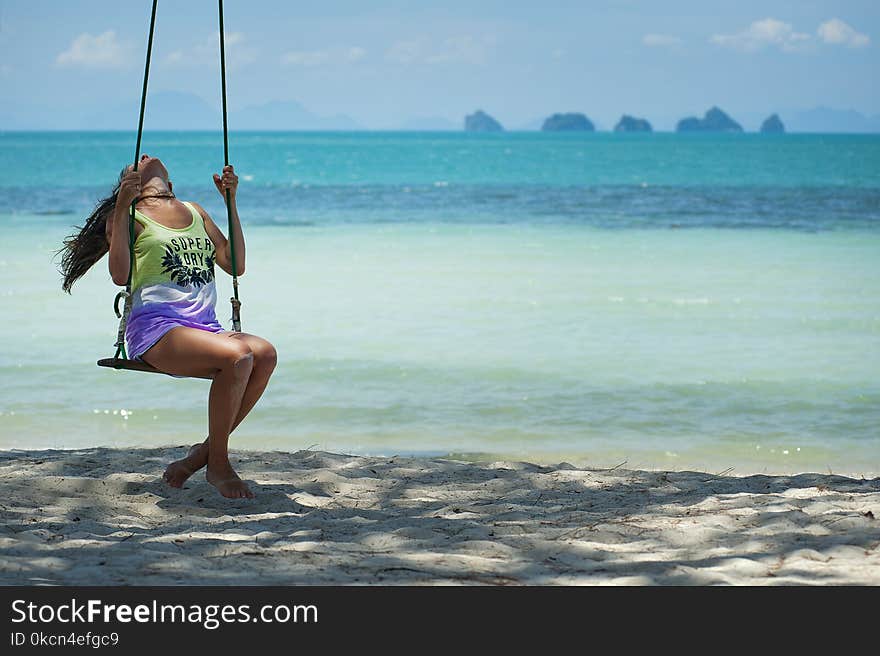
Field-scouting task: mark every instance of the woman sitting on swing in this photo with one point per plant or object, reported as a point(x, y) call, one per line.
point(172, 325)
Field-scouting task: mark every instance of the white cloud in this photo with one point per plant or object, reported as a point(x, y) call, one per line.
point(306, 58)
point(761, 34)
point(464, 49)
point(101, 51)
point(207, 52)
point(330, 56)
point(405, 52)
point(558, 53)
point(356, 54)
point(661, 40)
point(836, 32)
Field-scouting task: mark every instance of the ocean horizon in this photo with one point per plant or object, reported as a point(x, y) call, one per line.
point(668, 300)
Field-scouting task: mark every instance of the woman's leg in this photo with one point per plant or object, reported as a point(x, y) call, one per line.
point(265, 359)
point(191, 352)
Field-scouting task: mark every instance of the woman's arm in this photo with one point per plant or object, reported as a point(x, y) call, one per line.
point(221, 243)
point(117, 227)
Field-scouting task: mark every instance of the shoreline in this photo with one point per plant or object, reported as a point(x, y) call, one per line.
point(715, 465)
point(104, 516)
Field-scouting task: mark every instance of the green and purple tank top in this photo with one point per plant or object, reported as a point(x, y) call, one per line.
point(172, 282)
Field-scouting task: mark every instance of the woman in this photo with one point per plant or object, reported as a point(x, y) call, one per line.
point(172, 325)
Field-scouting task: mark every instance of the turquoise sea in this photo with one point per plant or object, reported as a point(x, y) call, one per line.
point(672, 301)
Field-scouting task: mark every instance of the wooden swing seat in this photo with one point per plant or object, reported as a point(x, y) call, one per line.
point(137, 365)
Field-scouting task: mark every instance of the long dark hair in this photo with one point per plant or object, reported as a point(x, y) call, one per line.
point(82, 249)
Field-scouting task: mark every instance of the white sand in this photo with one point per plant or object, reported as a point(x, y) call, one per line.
point(105, 517)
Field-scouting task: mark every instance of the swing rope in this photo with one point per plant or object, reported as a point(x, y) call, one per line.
point(236, 304)
point(120, 360)
point(123, 317)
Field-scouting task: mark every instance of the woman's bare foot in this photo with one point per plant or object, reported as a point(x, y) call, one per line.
point(227, 482)
point(179, 471)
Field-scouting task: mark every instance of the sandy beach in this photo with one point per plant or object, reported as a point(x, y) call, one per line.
point(105, 517)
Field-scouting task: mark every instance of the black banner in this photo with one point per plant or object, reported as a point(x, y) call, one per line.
point(129, 620)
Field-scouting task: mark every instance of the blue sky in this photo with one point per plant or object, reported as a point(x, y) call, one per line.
point(385, 62)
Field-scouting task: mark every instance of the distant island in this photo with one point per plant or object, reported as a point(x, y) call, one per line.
point(629, 123)
point(772, 125)
point(572, 122)
point(480, 121)
point(714, 120)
